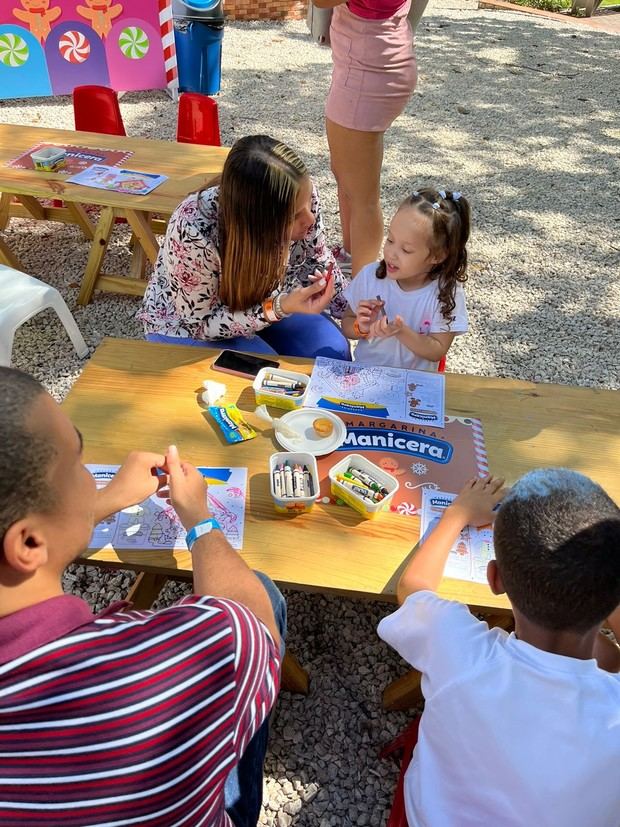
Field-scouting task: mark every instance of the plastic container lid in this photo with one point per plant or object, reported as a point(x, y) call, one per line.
point(201, 5)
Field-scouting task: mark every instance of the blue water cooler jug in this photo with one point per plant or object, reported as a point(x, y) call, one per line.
point(198, 35)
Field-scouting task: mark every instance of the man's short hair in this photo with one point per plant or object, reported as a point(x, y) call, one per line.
point(24, 454)
point(557, 542)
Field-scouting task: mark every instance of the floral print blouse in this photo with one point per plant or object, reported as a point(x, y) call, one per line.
point(182, 296)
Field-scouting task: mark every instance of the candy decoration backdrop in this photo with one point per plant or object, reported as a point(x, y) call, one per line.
point(127, 45)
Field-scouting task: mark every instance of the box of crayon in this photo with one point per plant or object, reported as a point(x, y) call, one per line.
point(280, 388)
point(293, 481)
point(362, 485)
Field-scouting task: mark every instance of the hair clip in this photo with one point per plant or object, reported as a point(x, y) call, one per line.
point(456, 196)
point(415, 194)
point(442, 193)
point(435, 205)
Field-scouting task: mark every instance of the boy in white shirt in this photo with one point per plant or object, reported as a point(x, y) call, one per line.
point(520, 729)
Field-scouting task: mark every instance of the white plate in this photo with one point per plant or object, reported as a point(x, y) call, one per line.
point(310, 441)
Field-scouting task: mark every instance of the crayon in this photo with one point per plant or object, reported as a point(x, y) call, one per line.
point(382, 308)
point(277, 482)
point(371, 482)
point(281, 381)
point(281, 391)
point(309, 487)
point(288, 480)
point(281, 387)
point(298, 481)
point(364, 493)
point(375, 496)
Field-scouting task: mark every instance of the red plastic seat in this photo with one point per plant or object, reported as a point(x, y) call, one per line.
point(96, 109)
point(198, 121)
point(404, 744)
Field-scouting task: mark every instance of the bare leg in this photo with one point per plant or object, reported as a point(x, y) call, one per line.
point(356, 159)
point(344, 208)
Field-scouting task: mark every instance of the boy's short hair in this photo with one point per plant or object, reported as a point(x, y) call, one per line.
point(24, 454)
point(557, 543)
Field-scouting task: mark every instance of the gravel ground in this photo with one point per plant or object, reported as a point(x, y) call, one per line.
point(520, 114)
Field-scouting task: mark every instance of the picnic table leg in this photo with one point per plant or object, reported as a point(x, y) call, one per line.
point(97, 252)
point(81, 219)
point(404, 692)
point(32, 206)
point(8, 257)
point(146, 589)
point(140, 223)
point(294, 676)
point(5, 204)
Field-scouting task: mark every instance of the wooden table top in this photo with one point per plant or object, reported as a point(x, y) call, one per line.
point(188, 167)
point(134, 395)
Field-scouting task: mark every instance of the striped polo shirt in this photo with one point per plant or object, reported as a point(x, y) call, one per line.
point(129, 717)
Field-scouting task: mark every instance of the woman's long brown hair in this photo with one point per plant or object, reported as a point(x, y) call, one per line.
point(259, 186)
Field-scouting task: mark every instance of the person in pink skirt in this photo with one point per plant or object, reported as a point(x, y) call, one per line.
point(374, 75)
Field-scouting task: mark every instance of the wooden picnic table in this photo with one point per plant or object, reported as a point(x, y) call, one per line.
point(135, 394)
point(188, 167)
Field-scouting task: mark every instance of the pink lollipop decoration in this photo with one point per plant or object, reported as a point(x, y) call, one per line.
point(74, 47)
point(407, 508)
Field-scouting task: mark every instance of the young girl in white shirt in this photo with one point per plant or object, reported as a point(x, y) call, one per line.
point(406, 310)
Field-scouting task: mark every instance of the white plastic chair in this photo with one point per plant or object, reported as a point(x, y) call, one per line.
point(21, 298)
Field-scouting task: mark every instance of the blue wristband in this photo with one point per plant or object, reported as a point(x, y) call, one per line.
point(205, 527)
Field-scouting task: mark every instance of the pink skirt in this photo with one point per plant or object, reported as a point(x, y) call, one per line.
point(374, 70)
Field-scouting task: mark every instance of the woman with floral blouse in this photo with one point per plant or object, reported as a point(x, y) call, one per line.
point(243, 264)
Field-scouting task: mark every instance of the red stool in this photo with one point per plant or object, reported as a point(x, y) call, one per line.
point(96, 109)
point(198, 121)
point(404, 744)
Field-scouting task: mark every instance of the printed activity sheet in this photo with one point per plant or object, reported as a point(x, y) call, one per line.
point(153, 524)
point(472, 551)
point(416, 397)
point(126, 181)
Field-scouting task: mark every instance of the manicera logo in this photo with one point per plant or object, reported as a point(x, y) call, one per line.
point(436, 450)
point(440, 502)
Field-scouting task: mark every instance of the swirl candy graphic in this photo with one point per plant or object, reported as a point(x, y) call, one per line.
point(74, 47)
point(13, 50)
point(133, 42)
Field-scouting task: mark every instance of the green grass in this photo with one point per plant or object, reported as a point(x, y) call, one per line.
point(557, 5)
point(546, 5)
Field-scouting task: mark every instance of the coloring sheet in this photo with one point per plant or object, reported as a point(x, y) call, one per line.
point(416, 397)
point(470, 554)
point(126, 181)
point(154, 524)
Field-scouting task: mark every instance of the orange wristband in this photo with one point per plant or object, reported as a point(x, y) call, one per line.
point(356, 329)
point(269, 312)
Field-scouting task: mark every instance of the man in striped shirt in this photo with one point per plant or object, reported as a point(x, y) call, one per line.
point(128, 717)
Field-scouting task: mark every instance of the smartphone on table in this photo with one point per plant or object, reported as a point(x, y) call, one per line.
point(242, 364)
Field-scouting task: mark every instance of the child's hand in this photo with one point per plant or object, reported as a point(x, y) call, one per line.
point(367, 313)
point(477, 499)
point(383, 328)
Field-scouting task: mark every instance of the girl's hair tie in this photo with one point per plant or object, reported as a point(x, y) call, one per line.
point(442, 193)
point(435, 205)
point(456, 196)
